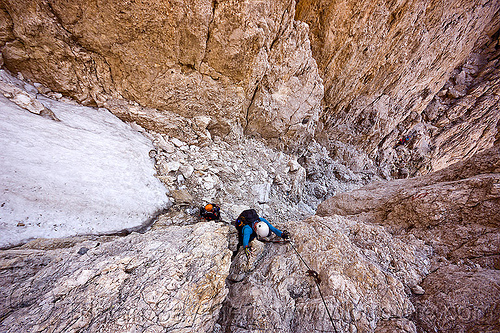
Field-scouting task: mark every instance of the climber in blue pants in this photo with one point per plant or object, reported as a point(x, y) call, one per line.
point(250, 225)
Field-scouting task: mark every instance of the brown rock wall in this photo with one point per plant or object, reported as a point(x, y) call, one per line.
point(190, 58)
point(252, 65)
point(461, 120)
point(381, 61)
point(456, 211)
point(467, 107)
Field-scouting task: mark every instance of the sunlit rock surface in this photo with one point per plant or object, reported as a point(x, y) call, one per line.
point(365, 273)
point(462, 119)
point(171, 279)
point(456, 211)
point(246, 64)
point(383, 60)
point(388, 90)
point(352, 73)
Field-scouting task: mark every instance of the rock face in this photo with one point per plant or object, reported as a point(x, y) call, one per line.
point(392, 257)
point(457, 212)
point(461, 120)
point(357, 90)
point(459, 300)
point(364, 272)
point(248, 174)
point(466, 107)
point(142, 282)
point(416, 255)
point(236, 177)
point(454, 210)
point(354, 74)
point(384, 61)
point(248, 64)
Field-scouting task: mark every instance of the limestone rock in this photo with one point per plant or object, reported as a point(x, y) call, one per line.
point(363, 272)
point(244, 65)
point(164, 144)
point(15, 90)
point(381, 61)
point(169, 279)
point(452, 126)
point(357, 76)
point(330, 172)
point(460, 300)
point(182, 197)
point(456, 209)
point(466, 124)
point(294, 165)
point(417, 290)
point(399, 325)
point(226, 69)
point(261, 192)
point(164, 122)
point(178, 143)
point(173, 166)
point(457, 212)
point(187, 171)
point(238, 177)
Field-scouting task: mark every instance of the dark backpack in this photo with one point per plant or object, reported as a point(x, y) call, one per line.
point(247, 217)
point(214, 215)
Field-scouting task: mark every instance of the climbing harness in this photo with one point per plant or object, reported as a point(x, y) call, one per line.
point(312, 273)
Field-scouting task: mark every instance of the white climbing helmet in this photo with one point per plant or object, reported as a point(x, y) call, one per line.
point(262, 229)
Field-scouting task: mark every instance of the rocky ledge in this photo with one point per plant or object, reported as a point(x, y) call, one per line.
point(167, 280)
point(415, 255)
point(455, 211)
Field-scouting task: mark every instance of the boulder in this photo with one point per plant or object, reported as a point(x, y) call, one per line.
point(172, 278)
point(456, 211)
point(364, 273)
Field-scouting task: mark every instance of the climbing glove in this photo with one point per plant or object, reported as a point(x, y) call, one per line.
point(285, 235)
point(248, 250)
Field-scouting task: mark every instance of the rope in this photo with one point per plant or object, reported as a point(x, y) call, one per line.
point(317, 280)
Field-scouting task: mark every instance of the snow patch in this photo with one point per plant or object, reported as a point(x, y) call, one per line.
point(89, 173)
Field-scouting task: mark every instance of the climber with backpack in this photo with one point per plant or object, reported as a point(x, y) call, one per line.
point(251, 226)
point(210, 212)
